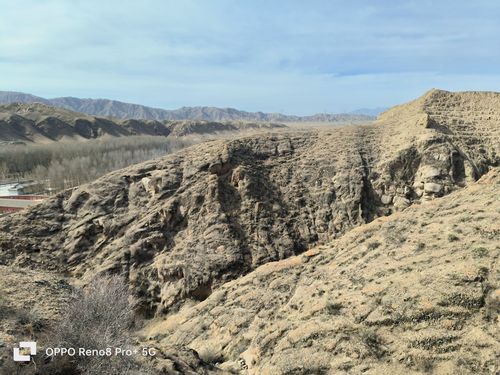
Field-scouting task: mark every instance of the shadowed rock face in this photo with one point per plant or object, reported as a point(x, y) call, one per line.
point(181, 226)
point(416, 292)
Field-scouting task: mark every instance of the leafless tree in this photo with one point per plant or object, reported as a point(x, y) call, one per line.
point(97, 318)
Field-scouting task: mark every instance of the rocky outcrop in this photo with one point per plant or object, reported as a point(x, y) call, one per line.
point(181, 226)
point(413, 293)
point(275, 254)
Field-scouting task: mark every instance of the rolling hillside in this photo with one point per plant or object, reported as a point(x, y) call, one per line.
point(361, 249)
point(41, 123)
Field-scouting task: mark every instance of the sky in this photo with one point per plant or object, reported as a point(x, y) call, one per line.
point(296, 57)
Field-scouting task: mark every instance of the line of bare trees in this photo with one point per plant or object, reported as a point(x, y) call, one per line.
point(62, 165)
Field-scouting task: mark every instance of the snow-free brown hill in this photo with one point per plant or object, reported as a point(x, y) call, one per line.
point(416, 292)
point(181, 226)
point(40, 123)
point(412, 291)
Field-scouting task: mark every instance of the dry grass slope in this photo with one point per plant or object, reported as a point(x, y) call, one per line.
point(181, 226)
point(414, 292)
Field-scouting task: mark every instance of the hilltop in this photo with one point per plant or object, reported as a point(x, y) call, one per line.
point(121, 110)
point(322, 251)
point(217, 210)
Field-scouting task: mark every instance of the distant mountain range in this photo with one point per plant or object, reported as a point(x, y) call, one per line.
point(121, 110)
point(369, 111)
point(41, 123)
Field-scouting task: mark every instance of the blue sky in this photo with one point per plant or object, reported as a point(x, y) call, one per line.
point(298, 57)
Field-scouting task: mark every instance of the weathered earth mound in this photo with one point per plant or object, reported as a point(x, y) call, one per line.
point(416, 292)
point(181, 226)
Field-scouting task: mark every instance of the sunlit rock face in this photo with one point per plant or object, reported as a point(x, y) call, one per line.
point(181, 226)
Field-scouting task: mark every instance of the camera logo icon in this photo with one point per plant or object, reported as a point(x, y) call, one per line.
point(18, 357)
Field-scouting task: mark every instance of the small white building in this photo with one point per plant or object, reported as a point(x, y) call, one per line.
point(8, 190)
point(19, 188)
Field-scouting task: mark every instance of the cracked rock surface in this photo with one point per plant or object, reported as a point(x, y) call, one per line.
point(363, 249)
point(416, 292)
point(181, 226)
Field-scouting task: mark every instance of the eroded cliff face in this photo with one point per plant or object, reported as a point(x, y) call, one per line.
point(181, 226)
point(415, 292)
point(463, 136)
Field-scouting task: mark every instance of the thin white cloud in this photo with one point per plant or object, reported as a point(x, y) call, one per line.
point(290, 56)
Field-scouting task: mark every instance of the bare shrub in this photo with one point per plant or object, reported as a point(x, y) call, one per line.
point(424, 364)
point(373, 245)
point(334, 308)
point(98, 317)
point(211, 355)
point(10, 367)
point(30, 319)
point(4, 306)
point(373, 343)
